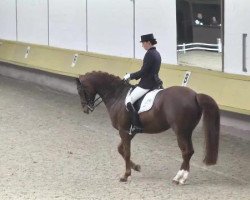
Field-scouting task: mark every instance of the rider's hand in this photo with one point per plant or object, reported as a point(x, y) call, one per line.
point(126, 77)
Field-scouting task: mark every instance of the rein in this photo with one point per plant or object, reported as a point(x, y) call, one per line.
point(92, 107)
point(91, 104)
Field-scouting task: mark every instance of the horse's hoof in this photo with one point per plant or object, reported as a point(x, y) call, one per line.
point(175, 182)
point(182, 182)
point(181, 177)
point(122, 179)
point(179, 182)
point(137, 168)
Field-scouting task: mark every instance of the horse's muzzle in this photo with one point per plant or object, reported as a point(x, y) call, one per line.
point(86, 109)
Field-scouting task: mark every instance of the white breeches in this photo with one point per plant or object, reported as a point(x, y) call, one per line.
point(136, 94)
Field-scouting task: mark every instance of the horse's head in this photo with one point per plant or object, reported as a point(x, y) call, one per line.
point(108, 87)
point(87, 95)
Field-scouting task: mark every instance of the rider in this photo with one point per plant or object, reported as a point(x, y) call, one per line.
point(149, 78)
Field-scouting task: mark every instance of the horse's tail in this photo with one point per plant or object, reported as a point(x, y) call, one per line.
point(211, 125)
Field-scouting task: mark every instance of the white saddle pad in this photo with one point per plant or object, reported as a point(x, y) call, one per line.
point(148, 100)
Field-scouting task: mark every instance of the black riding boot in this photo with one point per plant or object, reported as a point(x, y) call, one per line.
point(136, 124)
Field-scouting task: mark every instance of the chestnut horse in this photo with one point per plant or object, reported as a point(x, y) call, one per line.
point(179, 108)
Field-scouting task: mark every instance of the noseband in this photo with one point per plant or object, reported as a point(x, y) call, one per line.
point(91, 103)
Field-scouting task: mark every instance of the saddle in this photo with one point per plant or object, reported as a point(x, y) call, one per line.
point(146, 101)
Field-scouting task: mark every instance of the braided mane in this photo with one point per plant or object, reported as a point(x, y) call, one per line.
point(104, 83)
point(103, 76)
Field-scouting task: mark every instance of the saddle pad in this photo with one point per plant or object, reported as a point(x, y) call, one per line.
point(148, 100)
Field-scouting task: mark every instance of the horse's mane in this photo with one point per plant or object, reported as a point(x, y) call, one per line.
point(108, 81)
point(103, 76)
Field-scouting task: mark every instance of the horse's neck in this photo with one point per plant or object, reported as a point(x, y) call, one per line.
point(111, 93)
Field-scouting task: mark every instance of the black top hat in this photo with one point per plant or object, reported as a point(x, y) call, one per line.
point(148, 37)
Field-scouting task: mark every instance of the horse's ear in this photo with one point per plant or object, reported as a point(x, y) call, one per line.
point(79, 85)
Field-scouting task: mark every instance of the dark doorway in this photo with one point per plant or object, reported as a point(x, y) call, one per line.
point(200, 33)
point(184, 21)
point(192, 29)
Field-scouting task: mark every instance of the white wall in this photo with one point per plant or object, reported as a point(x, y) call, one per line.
point(157, 17)
point(32, 21)
point(237, 17)
point(62, 23)
point(67, 24)
point(110, 27)
point(8, 19)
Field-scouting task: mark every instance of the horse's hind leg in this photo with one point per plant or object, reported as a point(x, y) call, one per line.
point(186, 146)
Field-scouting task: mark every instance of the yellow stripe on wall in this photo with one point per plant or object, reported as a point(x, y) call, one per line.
point(230, 91)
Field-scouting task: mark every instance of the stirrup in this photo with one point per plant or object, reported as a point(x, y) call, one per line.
point(135, 129)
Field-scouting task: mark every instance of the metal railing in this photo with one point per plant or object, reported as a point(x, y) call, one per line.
point(200, 46)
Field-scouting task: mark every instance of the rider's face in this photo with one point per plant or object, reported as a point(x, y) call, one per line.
point(146, 45)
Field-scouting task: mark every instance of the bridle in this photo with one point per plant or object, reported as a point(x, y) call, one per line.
point(91, 103)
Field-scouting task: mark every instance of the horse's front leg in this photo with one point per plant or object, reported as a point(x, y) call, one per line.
point(124, 150)
point(132, 164)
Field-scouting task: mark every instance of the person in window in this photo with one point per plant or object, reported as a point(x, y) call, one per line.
point(149, 79)
point(199, 19)
point(214, 21)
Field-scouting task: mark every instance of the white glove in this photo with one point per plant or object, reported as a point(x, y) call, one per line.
point(126, 77)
